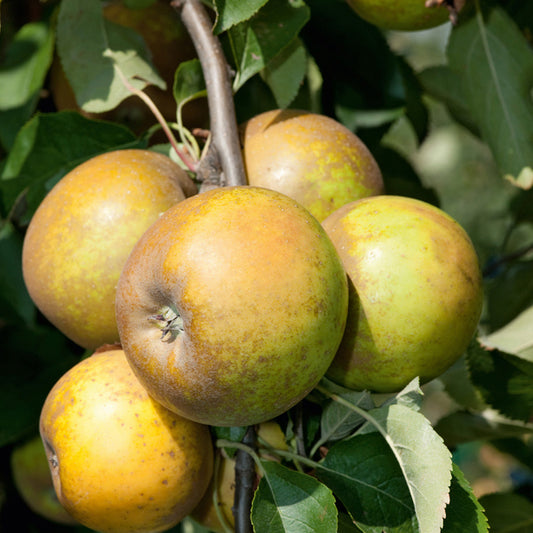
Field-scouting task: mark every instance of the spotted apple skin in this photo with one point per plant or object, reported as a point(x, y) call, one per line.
point(261, 296)
point(415, 292)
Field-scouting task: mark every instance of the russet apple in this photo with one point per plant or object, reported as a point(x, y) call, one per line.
point(83, 231)
point(415, 292)
point(121, 462)
point(311, 158)
point(404, 15)
point(232, 305)
point(32, 478)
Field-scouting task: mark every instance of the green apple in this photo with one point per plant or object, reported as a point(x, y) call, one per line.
point(415, 292)
point(121, 462)
point(232, 305)
point(311, 158)
point(31, 475)
point(83, 231)
point(404, 15)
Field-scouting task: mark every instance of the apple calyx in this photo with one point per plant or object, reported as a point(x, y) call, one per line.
point(169, 321)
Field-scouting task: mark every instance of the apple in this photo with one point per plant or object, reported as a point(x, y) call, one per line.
point(31, 475)
point(169, 43)
point(311, 158)
point(407, 15)
point(205, 513)
point(415, 292)
point(83, 231)
point(121, 462)
point(232, 305)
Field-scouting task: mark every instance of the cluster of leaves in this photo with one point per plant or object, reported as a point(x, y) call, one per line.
point(357, 462)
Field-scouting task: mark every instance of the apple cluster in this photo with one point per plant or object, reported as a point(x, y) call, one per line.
point(227, 307)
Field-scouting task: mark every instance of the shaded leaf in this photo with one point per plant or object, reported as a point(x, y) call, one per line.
point(99, 57)
point(462, 427)
point(508, 513)
point(25, 64)
point(257, 41)
point(505, 381)
point(234, 434)
point(48, 147)
point(231, 12)
point(464, 512)
point(289, 501)
point(495, 65)
point(189, 81)
point(286, 72)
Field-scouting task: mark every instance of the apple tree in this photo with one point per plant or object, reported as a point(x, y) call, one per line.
point(441, 95)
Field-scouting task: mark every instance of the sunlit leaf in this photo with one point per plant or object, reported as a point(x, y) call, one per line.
point(231, 12)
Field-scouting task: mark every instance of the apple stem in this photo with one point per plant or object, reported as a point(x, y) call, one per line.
point(224, 144)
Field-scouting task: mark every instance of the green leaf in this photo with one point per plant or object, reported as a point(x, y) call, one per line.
point(287, 501)
point(48, 147)
point(410, 396)
point(338, 421)
point(464, 512)
point(189, 82)
point(508, 513)
point(393, 475)
point(234, 434)
point(257, 41)
point(15, 302)
point(495, 64)
point(516, 337)
point(462, 427)
point(25, 64)
point(231, 12)
point(505, 381)
point(286, 72)
point(100, 58)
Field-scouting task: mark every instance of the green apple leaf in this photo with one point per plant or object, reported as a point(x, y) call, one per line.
point(25, 64)
point(231, 12)
point(393, 475)
point(287, 501)
point(462, 427)
point(50, 145)
point(464, 512)
point(504, 380)
point(257, 41)
point(234, 434)
point(346, 524)
point(101, 59)
point(495, 65)
point(286, 72)
point(15, 302)
point(508, 513)
point(516, 337)
point(189, 82)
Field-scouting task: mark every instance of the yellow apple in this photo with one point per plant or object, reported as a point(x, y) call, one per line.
point(415, 292)
point(232, 305)
point(311, 158)
point(121, 462)
point(83, 231)
point(403, 15)
point(32, 478)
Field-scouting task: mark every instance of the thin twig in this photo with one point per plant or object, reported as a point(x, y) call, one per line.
point(223, 121)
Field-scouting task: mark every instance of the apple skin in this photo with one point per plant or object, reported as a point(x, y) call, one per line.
point(415, 292)
point(31, 475)
point(261, 297)
point(83, 231)
point(121, 462)
point(311, 158)
point(407, 15)
point(169, 43)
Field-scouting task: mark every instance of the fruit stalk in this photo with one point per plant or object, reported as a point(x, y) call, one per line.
point(223, 122)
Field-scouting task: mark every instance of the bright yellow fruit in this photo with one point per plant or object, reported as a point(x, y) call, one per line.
point(120, 462)
point(403, 15)
point(309, 157)
point(82, 233)
point(415, 292)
